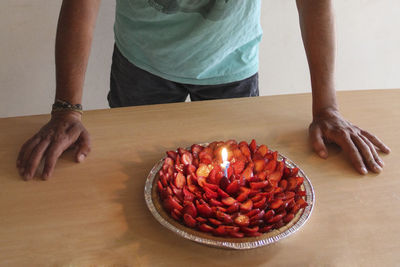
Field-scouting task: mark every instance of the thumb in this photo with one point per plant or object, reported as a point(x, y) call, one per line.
point(83, 146)
point(317, 141)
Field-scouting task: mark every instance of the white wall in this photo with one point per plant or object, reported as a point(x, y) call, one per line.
point(368, 40)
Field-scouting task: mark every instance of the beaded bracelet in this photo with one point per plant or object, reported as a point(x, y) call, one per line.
point(61, 105)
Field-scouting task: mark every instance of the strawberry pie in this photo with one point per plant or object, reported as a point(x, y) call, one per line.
point(245, 194)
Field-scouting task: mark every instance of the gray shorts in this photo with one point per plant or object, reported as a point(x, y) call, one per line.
point(132, 86)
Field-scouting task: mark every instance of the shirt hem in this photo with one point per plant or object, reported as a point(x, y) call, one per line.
point(234, 77)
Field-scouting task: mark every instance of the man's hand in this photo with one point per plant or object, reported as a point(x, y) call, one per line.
point(64, 130)
point(359, 145)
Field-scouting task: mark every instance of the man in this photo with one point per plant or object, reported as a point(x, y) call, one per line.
point(167, 49)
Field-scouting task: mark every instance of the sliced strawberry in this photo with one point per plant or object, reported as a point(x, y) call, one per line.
point(228, 201)
point(206, 228)
point(259, 165)
point(245, 151)
point(175, 216)
point(299, 180)
point(258, 216)
point(260, 204)
point(172, 154)
point(224, 183)
point(301, 203)
point(216, 203)
point(238, 166)
point(253, 146)
point(189, 169)
point(201, 181)
point(242, 220)
point(180, 180)
point(289, 194)
point(283, 184)
point(174, 203)
point(262, 150)
point(236, 234)
point(268, 215)
point(247, 173)
point(271, 165)
point(214, 221)
point(210, 194)
point(220, 231)
point(190, 209)
point(265, 229)
point(189, 221)
point(187, 158)
point(201, 220)
point(301, 193)
point(212, 177)
point(276, 218)
point(169, 162)
point(246, 206)
point(222, 193)
point(275, 177)
point(196, 149)
point(212, 187)
point(292, 183)
point(160, 187)
point(252, 213)
point(187, 195)
point(181, 151)
point(233, 208)
point(205, 157)
point(258, 185)
point(262, 175)
point(203, 170)
point(204, 210)
point(244, 194)
point(248, 230)
point(225, 218)
point(218, 208)
point(233, 187)
point(288, 217)
point(276, 204)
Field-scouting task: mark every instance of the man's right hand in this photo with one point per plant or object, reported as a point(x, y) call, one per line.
point(64, 130)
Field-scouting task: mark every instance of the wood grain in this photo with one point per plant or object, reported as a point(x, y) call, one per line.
point(94, 213)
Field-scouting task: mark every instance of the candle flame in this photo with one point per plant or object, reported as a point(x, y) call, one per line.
point(224, 155)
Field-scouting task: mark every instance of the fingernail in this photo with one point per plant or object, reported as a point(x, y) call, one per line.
point(380, 162)
point(81, 157)
point(377, 168)
point(364, 170)
point(45, 176)
point(322, 154)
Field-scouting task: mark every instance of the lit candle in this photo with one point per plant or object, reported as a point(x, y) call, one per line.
point(225, 162)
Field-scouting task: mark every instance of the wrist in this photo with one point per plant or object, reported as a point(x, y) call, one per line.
point(66, 114)
point(325, 112)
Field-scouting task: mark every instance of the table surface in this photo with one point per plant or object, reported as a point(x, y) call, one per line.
point(94, 213)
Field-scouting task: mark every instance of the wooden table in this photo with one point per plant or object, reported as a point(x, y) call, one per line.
point(94, 213)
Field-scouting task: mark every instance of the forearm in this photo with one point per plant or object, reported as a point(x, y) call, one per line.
point(73, 41)
point(318, 33)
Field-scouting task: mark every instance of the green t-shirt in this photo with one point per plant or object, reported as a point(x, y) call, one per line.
point(191, 41)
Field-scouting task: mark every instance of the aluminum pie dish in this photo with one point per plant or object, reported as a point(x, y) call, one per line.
point(154, 204)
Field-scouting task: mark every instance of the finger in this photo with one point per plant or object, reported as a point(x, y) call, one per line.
point(373, 151)
point(35, 158)
point(26, 151)
point(84, 146)
point(317, 141)
point(375, 140)
point(366, 153)
point(351, 150)
point(53, 153)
